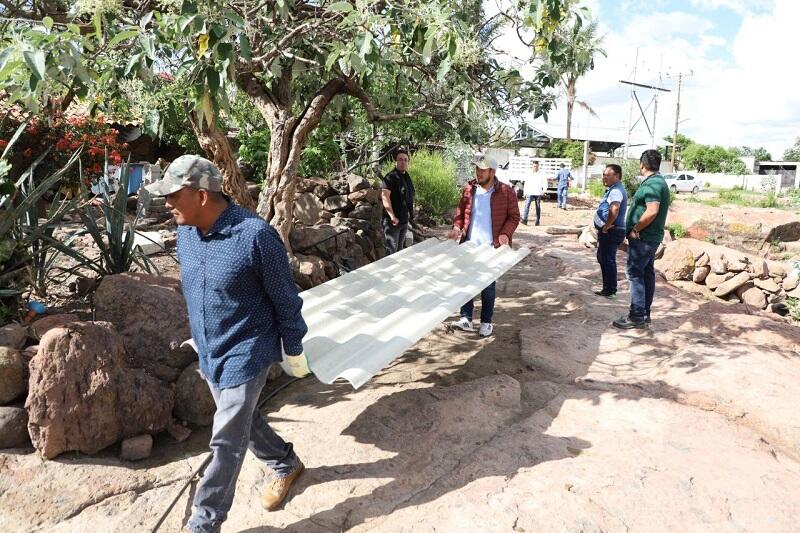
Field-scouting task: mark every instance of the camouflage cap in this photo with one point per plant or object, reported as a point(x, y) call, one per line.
point(188, 171)
point(483, 162)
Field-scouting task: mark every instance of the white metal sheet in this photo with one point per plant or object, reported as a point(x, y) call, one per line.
point(360, 322)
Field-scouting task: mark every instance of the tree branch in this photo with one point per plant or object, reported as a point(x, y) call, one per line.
point(276, 50)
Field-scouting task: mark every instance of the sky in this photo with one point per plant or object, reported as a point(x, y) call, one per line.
point(742, 88)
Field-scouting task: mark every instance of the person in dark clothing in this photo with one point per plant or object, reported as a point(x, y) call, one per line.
point(398, 202)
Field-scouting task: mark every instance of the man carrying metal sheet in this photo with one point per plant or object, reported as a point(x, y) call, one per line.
point(243, 308)
point(487, 213)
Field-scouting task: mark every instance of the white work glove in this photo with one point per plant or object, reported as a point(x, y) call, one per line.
point(295, 365)
point(191, 344)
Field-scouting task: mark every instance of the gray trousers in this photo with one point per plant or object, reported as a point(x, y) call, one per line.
point(395, 236)
point(238, 426)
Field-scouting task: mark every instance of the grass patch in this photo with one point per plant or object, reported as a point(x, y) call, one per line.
point(677, 230)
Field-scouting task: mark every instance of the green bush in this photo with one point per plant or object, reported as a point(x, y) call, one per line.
point(254, 149)
point(630, 173)
point(596, 188)
point(677, 230)
point(793, 304)
point(770, 201)
point(434, 178)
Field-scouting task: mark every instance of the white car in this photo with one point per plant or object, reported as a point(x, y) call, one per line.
point(683, 183)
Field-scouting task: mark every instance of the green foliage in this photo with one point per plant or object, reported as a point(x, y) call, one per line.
point(321, 153)
point(630, 176)
point(434, 177)
point(760, 153)
point(676, 229)
point(793, 305)
point(254, 149)
point(596, 188)
point(771, 200)
point(703, 158)
point(568, 149)
point(682, 142)
point(793, 153)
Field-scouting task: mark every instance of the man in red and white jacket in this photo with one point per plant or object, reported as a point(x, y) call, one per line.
point(487, 213)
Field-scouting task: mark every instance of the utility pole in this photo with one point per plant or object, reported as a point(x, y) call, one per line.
point(677, 119)
point(630, 113)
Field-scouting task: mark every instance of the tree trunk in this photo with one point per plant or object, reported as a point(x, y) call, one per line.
point(570, 107)
point(276, 203)
point(218, 148)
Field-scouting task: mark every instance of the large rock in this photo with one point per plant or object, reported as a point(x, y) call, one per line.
point(136, 448)
point(715, 280)
point(791, 281)
point(588, 236)
point(193, 400)
point(701, 273)
point(48, 322)
point(702, 260)
point(362, 211)
point(353, 224)
point(767, 284)
point(307, 209)
point(13, 427)
point(677, 262)
point(13, 335)
point(318, 239)
point(12, 375)
point(83, 397)
point(729, 286)
point(372, 196)
point(564, 230)
point(150, 314)
point(752, 296)
point(356, 183)
point(336, 203)
point(737, 264)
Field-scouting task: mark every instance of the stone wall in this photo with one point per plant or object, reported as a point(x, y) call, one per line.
point(721, 273)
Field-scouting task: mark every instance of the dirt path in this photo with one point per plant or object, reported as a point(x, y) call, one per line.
point(556, 423)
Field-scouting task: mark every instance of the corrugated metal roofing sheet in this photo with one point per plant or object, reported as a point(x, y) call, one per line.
point(358, 323)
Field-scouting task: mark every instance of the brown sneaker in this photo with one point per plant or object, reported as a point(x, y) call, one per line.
point(278, 488)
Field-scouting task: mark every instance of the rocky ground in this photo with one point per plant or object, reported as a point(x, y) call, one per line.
point(556, 423)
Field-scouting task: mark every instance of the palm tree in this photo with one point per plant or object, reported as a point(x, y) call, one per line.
point(581, 44)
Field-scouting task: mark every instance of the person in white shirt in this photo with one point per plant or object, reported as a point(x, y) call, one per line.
point(535, 186)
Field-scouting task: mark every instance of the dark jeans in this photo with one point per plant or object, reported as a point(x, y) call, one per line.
point(642, 277)
point(607, 244)
point(395, 236)
point(487, 305)
point(526, 210)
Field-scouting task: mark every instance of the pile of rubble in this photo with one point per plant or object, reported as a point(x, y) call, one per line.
point(337, 228)
point(73, 385)
point(721, 273)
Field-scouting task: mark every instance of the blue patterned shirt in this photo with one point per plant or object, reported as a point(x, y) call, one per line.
point(241, 296)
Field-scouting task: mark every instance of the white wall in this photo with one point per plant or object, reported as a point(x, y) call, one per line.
point(750, 182)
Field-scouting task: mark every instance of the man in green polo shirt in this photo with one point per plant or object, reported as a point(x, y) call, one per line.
point(647, 215)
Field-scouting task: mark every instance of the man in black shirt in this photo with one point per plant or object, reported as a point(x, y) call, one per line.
point(398, 200)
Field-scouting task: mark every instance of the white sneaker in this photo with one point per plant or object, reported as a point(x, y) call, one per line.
point(464, 324)
point(486, 329)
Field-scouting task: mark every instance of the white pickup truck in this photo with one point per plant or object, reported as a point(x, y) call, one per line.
point(683, 183)
point(519, 167)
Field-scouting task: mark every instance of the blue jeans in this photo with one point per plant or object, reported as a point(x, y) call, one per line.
point(527, 209)
point(642, 277)
point(238, 426)
point(562, 194)
point(607, 244)
point(487, 305)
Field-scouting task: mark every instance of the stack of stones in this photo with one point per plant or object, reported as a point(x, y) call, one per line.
point(337, 228)
point(729, 275)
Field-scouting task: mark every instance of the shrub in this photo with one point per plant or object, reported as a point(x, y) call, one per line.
point(770, 201)
point(677, 230)
point(596, 188)
point(254, 149)
point(434, 178)
point(793, 305)
point(630, 175)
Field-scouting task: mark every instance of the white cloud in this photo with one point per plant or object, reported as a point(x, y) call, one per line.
point(740, 92)
point(743, 7)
